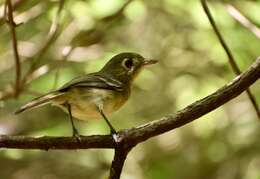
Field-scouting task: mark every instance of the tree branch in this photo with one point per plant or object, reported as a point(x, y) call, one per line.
point(231, 58)
point(8, 13)
point(46, 142)
point(118, 161)
point(134, 136)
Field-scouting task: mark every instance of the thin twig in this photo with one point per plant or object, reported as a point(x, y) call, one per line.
point(231, 58)
point(242, 19)
point(134, 136)
point(10, 20)
point(52, 36)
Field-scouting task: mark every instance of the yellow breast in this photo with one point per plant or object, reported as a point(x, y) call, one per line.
point(84, 102)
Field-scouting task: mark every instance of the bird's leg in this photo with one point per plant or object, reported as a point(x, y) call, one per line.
point(74, 129)
point(112, 129)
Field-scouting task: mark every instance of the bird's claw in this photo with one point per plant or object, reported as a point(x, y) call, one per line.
point(117, 138)
point(76, 135)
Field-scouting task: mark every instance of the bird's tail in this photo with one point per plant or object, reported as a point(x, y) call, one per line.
point(37, 102)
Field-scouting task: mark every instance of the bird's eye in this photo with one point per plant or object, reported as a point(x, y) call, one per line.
point(128, 63)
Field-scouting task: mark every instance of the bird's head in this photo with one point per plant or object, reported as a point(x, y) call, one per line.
point(126, 66)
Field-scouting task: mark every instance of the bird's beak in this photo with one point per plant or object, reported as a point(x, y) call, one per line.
point(149, 62)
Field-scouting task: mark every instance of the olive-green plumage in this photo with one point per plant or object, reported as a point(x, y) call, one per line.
point(95, 94)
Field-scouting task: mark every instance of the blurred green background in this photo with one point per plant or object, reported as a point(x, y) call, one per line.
point(223, 144)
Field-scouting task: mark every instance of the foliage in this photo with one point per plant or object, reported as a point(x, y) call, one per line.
point(223, 144)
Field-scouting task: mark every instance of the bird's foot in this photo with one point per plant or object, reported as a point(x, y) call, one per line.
point(116, 136)
point(76, 135)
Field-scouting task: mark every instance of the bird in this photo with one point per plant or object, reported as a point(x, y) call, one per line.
point(98, 94)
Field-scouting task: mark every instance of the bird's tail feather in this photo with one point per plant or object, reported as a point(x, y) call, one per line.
point(37, 102)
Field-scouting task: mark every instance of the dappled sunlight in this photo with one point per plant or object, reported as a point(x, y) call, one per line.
point(58, 43)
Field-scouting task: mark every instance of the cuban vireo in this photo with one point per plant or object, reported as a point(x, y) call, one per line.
point(96, 94)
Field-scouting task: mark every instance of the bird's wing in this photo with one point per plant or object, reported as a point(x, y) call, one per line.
point(93, 80)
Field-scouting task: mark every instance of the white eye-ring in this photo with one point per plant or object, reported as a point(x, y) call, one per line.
point(128, 63)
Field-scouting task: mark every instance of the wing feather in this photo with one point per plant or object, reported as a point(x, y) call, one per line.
point(93, 80)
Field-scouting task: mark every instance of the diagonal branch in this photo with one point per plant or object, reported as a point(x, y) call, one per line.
point(243, 20)
point(8, 13)
point(134, 136)
point(198, 108)
point(231, 58)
